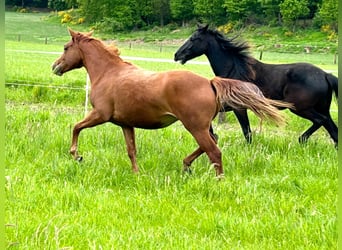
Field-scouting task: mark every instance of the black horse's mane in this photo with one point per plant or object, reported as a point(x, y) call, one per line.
point(237, 51)
point(231, 45)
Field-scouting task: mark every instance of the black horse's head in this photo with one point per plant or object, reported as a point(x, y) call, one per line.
point(195, 46)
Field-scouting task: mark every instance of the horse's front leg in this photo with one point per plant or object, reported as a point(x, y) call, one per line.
point(91, 120)
point(131, 149)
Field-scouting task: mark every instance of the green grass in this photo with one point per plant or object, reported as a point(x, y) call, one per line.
point(276, 194)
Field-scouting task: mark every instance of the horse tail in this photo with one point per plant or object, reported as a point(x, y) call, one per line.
point(239, 94)
point(333, 82)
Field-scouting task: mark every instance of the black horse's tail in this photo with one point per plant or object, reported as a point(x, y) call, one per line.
point(333, 82)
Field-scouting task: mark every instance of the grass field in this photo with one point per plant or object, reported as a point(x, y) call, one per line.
point(276, 194)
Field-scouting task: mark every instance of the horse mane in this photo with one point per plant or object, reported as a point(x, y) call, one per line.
point(231, 45)
point(110, 49)
point(238, 51)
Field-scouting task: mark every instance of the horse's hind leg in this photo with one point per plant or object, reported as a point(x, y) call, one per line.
point(193, 156)
point(332, 129)
point(131, 149)
point(208, 145)
point(91, 120)
point(305, 136)
point(190, 158)
point(318, 120)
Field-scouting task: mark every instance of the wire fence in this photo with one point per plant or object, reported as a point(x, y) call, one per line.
point(323, 47)
point(87, 85)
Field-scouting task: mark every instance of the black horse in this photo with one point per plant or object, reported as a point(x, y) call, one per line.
point(309, 88)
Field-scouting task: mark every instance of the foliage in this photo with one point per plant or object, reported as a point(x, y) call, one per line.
point(210, 11)
point(116, 15)
point(245, 10)
point(57, 5)
point(182, 10)
point(328, 13)
point(292, 10)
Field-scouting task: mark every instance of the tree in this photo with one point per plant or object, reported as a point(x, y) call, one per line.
point(162, 9)
point(327, 13)
point(57, 5)
point(243, 10)
point(271, 11)
point(182, 10)
point(292, 10)
point(210, 11)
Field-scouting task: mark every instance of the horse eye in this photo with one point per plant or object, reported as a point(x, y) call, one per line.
point(65, 48)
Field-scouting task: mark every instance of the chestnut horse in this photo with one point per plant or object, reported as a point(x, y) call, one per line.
point(130, 97)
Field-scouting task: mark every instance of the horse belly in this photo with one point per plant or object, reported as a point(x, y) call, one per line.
point(145, 120)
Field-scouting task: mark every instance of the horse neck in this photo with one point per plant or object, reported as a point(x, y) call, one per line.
point(97, 62)
point(227, 64)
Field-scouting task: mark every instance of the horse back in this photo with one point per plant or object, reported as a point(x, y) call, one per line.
point(278, 81)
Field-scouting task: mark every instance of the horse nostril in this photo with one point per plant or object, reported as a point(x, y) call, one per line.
point(175, 57)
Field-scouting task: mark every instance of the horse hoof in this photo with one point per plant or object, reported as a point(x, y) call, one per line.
point(302, 140)
point(79, 158)
point(220, 177)
point(188, 170)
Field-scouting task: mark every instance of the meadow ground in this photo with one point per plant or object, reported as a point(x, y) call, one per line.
point(277, 194)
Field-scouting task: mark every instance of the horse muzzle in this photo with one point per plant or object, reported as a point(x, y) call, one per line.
point(179, 58)
point(57, 69)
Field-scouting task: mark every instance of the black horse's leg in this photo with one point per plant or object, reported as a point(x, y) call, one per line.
point(318, 120)
point(332, 129)
point(212, 134)
point(305, 136)
point(242, 117)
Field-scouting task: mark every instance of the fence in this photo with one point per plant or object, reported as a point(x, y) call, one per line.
point(162, 46)
point(87, 87)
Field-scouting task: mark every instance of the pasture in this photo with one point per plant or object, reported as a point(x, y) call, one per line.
point(277, 194)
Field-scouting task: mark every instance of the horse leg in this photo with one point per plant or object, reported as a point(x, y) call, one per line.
point(318, 120)
point(332, 129)
point(91, 120)
point(208, 145)
point(242, 117)
point(193, 156)
point(305, 136)
point(131, 149)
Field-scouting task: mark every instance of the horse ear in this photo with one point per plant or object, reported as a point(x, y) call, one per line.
point(72, 33)
point(90, 33)
point(202, 27)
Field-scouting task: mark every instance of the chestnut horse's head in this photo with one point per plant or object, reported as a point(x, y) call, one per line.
point(71, 58)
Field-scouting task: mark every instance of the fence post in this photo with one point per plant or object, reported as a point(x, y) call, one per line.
point(335, 58)
point(46, 40)
point(19, 38)
point(260, 56)
point(87, 96)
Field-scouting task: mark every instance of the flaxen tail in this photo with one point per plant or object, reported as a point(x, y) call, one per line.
point(239, 94)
